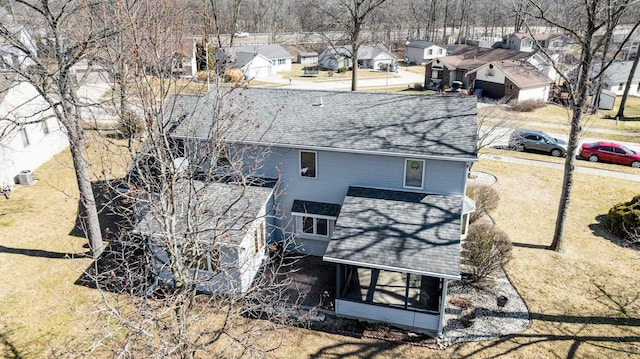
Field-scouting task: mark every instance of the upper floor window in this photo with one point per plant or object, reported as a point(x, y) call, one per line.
point(282, 61)
point(308, 164)
point(25, 137)
point(430, 51)
point(413, 173)
point(439, 51)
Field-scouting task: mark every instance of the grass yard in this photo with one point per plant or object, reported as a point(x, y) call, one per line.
point(584, 302)
point(555, 114)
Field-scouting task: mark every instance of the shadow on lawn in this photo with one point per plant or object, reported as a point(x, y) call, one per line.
point(598, 229)
point(42, 253)
point(7, 348)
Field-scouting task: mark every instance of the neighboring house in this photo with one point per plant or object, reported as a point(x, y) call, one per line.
point(242, 219)
point(419, 51)
point(629, 51)
point(512, 80)
point(454, 67)
point(255, 61)
point(616, 76)
point(302, 56)
point(373, 182)
point(184, 62)
point(10, 56)
point(369, 57)
point(519, 41)
point(27, 145)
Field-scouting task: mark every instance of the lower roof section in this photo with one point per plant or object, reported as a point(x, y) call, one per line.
point(399, 231)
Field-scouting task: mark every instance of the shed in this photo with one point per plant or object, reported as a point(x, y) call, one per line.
point(607, 100)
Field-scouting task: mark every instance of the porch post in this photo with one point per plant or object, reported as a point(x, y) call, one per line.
point(443, 303)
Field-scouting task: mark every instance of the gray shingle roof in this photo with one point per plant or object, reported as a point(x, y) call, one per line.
point(618, 72)
point(271, 51)
point(421, 44)
point(319, 208)
point(223, 209)
point(390, 123)
point(402, 231)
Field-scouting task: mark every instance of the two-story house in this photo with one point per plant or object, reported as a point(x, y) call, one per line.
point(373, 182)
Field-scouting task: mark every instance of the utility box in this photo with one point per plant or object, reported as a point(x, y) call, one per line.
point(607, 100)
point(26, 177)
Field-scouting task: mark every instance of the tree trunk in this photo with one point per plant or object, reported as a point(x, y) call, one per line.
point(354, 72)
point(623, 102)
point(88, 210)
point(576, 127)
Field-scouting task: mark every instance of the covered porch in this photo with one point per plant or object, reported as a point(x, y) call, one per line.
point(395, 252)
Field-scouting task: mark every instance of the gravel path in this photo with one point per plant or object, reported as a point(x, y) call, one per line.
point(491, 321)
point(485, 320)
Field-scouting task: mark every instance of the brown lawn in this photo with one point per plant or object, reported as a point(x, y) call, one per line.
point(584, 302)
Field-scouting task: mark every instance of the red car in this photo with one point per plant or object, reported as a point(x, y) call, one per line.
point(610, 152)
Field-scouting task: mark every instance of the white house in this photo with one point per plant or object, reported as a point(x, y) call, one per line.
point(10, 56)
point(616, 76)
point(29, 134)
point(255, 61)
point(511, 79)
point(419, 51)
point(369, 57)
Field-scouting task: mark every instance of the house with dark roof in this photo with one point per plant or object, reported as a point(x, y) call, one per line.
point(510, 79)
point(443, 71)
point(419, 51)
point(371, 182)
point(369, 57)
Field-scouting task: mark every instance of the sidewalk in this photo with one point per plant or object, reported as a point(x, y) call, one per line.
point(560, 167)
point(522, 123)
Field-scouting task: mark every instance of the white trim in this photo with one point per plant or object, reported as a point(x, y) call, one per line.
point(315, 160)
point(404, 182)
point(389, 268)
point(300, 227)
point(309, 214)
point(342, 150)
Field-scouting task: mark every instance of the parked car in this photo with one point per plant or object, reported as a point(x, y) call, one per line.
point(533, 140)
point(610, 152)
point(241, 34)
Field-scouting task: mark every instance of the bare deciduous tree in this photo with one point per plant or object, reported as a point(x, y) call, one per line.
point(70, 34)
point(189, 270)
point(590, 26)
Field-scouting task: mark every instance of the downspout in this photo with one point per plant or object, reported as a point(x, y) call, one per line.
point(443, 302)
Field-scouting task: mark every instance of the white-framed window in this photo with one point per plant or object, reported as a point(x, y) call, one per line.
point(308, 164)
point(314, 226)
point(439, 51)
point(465, 225)
point(45, 127)
point(282, 61)
point(25, 137)
point(413, 173)
point(258, 239)
point(209, 262)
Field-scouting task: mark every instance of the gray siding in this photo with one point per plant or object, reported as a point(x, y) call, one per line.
point(336, 171)
point(413, 320)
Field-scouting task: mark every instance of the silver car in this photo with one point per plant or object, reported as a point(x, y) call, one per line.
point(537, 141)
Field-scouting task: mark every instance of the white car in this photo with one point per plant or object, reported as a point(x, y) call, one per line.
point(241, 34)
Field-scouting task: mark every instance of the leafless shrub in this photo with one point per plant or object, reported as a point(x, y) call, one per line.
point(485, 249)
point(525, 106)
point(486, 198)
